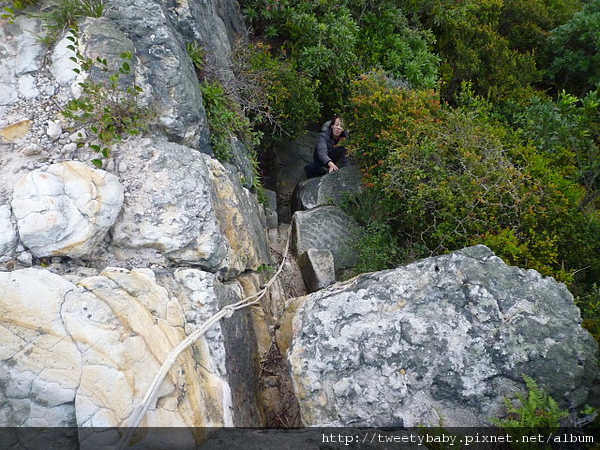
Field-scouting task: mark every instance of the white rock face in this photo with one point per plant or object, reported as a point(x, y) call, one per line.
point(39, 362)
point(169, 205)
point(8, 236)
point(62, 66)
point(21, 55)
point(85, 354)
point(67, 209)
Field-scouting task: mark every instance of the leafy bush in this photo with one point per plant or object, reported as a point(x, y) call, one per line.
point(335, 42)
point(279, 100)
point(500, 46)
point(536, 413)
point(225, 121)
point(387, 41)
point(576, 51)
point(451, 177)
point(108, 108)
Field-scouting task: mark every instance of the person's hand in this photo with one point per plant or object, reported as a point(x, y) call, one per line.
point(332, 166)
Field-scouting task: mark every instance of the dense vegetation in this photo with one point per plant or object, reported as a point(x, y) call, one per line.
point(474, 121)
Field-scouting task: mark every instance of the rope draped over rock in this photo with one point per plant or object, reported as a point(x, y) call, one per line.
point(225, 312)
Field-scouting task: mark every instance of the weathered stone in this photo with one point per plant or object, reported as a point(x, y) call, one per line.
point(66, 209)
point(169, 205)
point(61, 65)
point(290, 159)
point(21, 54)
point(8, 235)
point(86, 354)
point(16, 130)
point(446, 337)
point(318, 269)
point(326, 228)
point(39, 362)
point(330, 189)
point(54, 129)
point(241, 221)
point(166, 73)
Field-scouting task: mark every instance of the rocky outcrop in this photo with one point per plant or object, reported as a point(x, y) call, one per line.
point(330, 189)
point(326, 228)
point(182, 207)
point(85, 354)
point(132, 259)
point(67, 209)
point(288, 169)
point(441, 340)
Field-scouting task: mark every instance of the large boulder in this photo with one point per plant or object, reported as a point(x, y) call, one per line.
point(188, 209)
point(331, 189)
point(169, 205)
point(326, 228)
point(444, 339)
point(85, 354)
point(67, 209)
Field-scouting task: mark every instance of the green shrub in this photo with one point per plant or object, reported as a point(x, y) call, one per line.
point(451, 177)
point(575, 48)
point(225, 121)
point(335, 42)
point(530, 415)
point(107, 108)
point(279, 100)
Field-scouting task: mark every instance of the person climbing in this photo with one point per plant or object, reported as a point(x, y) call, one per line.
point(328, 155)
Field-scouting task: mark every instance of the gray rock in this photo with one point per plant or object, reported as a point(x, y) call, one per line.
point(318, 269)
point(330, 189)
point(67, 209)
point(442, 340)
point(21, 56)
point(326, 228)
point(8, 235)
point(290, 159)
point(169, 205)
point(165, 70)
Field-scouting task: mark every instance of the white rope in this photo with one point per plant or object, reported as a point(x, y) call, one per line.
point(226, 312)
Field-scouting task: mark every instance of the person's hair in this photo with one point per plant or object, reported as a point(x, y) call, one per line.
point(333, 119)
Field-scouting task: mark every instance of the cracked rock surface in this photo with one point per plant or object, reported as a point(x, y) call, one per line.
point(445, 338)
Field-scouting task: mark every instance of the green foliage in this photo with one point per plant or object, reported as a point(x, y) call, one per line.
point(376, 241)
point(387, 41)
point(107, 108)
point(278, 100)
point(568, 128)
point(529, 415)
point(60, 15)
point(196, 53)
point(451, 177)
point(576, 51)
point(496, 44)
point(14, 7)
point(589, 303)
point(335, 42)
point(225, 121)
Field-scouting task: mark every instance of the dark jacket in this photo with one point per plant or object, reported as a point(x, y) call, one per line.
point(326, 144)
